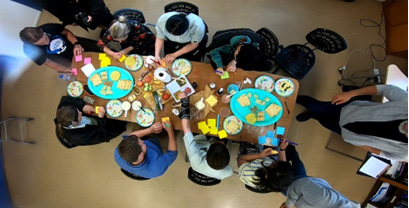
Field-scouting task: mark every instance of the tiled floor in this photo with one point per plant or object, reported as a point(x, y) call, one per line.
point(48, 175)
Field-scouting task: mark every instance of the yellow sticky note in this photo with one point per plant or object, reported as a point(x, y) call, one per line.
point(164, 119)
point(211, 122)
point(205, 129)
point(103, 64)
point(222, 134)
point(213, 130)
point(102, 56)
point(123, 57)
point(212, 100)
point(201, 124)
point(97, 109)
point(225, 75)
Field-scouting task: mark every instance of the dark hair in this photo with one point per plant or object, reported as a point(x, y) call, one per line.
point(218, 156)
point(129, 148)
point(177, 24)
point(65, 117)
point(250, 58)
point(279, 176)
point(31, 34)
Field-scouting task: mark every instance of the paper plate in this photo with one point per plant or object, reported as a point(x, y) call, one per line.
point(133, 62)
point(284, 87)
point(268, 98)
point(181, 67)
point(235, 120)
point(75, 89)
point(145, 118)
point(115, 92)
point(265, 83)
point(114, 108)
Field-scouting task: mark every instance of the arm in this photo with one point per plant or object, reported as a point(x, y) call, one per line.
point(172, 146)
point(56, 66)
point(154, 129)
point(346, 96)
point(371, 149)
point(283, 146)
point(126, 50)
point(71, 37)
point(186, 49)
point(216, 58)
point(108, 51)
point(250, 157)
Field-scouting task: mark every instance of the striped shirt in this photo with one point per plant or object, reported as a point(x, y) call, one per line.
point(247, 170)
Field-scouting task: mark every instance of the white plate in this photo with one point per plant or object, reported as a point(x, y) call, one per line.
point(284, 87)
point(114, 108)
point(265, 83)
point(75, 89)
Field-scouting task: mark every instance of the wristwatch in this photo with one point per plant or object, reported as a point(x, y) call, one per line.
point(282, 149)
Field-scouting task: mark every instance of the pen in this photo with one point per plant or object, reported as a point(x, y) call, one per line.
point(218, 119)
point(293, 143)
point(288, 110)
point(218, 71)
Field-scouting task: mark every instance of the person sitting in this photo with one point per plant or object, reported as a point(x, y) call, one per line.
point(380, 128)
point(301, 190)
point(240, 53)
point(182, 35)
point(81, 130)
point(88, 14)
point(253, 158)
point(208, 159)
point(134, 38)
point(54, 46)
point(144, 157)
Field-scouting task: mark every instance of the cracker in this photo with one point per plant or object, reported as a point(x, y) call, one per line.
point(106, 90)
point(243, 100)
point(232, 127)
point(260, 102)
point(266, 99)
point(96, 79)
point(273, 110)
point(124, 84)
point(104, 75)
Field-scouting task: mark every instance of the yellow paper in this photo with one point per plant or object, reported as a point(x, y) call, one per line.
point(103, 64)
point(201, 124)
point(222, 134)
point(213, 130)
point(123, 57)
point(164, 119)
point(211, 122)
point(97, 109)
point(205, 129)
point(102, 56)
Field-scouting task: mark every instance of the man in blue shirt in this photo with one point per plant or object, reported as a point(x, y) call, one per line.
point(145, 157)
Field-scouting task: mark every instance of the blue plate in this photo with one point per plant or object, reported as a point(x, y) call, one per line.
point(116, 93)
point(241, 112)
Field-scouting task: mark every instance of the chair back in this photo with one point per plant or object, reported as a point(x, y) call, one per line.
point(269, 43)
point(326, 40)
point(258, 189)
point(133, 176)
point(222, 37)
point(297, 60)
point(131, 14)
point(182, 6)
point(201, 179)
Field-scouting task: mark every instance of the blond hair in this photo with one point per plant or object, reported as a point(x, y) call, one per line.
point(119, 29)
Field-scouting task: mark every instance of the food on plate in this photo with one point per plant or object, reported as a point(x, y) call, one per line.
point(181, 67)
point(132, 97)
point(243, 100)
point(150, 99)
point(147, 87)
point(260, 116)
point(187, 90)
point(96, 79)
point(145, 118)
point(181, 81)
point(232, 127)
point(106, 90)
point(212, 100)
point(266, 99)
point(165, 96)
point(104, 75)
point(139, 83)
point(107, 83)
point(130, 61)
point(148, 79)
point(251, 118)
point(124, 84)
point(115, 75)
point(273, 110)
point(260, 102)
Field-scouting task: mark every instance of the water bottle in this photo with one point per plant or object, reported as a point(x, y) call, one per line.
point(66, 77)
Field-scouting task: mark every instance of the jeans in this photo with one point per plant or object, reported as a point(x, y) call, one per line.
point(324, 112)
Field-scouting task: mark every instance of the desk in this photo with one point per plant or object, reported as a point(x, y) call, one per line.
point(202, 74)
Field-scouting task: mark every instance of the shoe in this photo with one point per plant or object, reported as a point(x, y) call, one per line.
point(304, 116)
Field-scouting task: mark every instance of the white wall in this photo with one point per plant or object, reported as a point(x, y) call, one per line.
point(13, 18)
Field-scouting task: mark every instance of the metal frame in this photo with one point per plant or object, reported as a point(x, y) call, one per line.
point(341, 153)
point(4, 123)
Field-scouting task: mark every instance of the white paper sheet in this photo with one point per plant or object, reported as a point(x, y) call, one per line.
point(88, 69)
point(373, 167)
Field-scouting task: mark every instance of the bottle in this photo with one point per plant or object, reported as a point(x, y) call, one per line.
point(66, 77)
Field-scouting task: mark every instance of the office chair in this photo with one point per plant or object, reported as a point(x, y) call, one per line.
point(132, 14)
point(269, 43)
point(133, 176)
point(182, 6)
point(201, 179)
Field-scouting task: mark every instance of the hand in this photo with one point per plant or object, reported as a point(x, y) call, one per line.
point(88, 109)
point(101, 112)
point(157, 59)
point(283, 143)
point(220, 71)
point(74, 24)
point(156, 128)
point(181, 95)
point(116, 55)
point(265, 153)
point(342, 98)
point(78, 49)
point(168, 127)
point(283, 205)
point(89, 19)
point(169, 58)
point(232, 66)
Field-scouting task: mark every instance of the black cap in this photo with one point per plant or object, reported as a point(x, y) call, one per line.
point(177, 24)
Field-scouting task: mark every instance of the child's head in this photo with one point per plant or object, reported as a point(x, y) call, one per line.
point(67, 116)
point(249, 57)
point(34, 35)
point(218, 157)
point(274, 177)
point(132, 149)
point(177, 24)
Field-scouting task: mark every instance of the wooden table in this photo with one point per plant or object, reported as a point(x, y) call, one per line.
point(202, 74)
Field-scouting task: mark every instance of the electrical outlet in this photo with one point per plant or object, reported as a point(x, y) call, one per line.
point(377, 78)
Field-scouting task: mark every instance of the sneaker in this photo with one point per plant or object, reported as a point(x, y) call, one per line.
point(304, 116)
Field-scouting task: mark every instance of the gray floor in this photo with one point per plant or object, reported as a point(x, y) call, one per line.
point(48, 175)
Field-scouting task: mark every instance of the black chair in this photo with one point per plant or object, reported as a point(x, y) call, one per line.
point(201, 179)
point(182, 6)
point(269, 43)
point(297, 60)
point(131, 14)
point(222, 37)
point(258, 189)
point(133, 176)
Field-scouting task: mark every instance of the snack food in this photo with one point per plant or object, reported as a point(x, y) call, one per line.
point(96, 79)
point(260, 116)
point(232, 127)
point(106, 90)
point(251, 118)
point(273, 110)
point(104, 75)
point(243, 100)
point(124, 84)
point(115, 75)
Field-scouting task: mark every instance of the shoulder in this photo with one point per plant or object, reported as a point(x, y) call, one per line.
point(164, 17)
